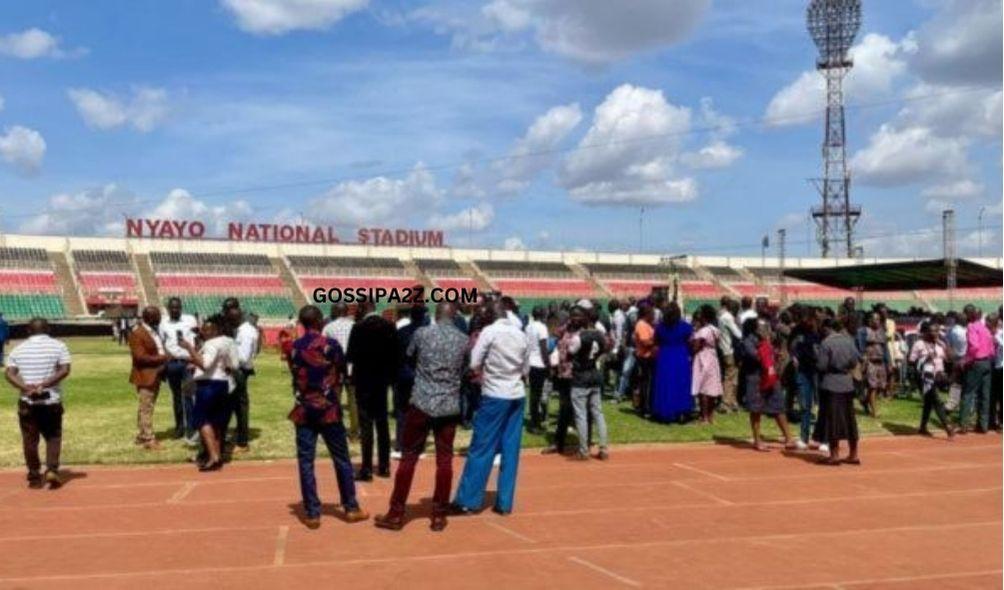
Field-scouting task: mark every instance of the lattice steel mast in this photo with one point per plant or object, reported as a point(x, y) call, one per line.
point(833, 25)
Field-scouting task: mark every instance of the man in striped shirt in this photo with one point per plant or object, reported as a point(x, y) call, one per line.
point(35, 368)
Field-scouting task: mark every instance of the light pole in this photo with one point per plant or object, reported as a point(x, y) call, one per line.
point(979, 224)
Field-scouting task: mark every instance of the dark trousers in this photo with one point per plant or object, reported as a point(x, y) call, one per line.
point(372, 401)
point(538, 405)
point(417, 425)
point(646, 369)
point(40, 421)
point(932, 401)
point(338, 447)
point(566, 414)
point(176, 372)
point(402, 399)
point(240, 407)
point(996, 386)
point(976, 392)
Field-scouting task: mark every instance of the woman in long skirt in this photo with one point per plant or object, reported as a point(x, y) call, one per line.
point(838, 357)
point(671, 396)
point(876, 375)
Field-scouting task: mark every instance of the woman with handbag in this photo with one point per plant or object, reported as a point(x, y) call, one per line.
point(928, 355)
point(759, 379)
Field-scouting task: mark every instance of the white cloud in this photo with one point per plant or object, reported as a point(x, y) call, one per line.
point(590, 31)
point(379, 200)
point(903, 156)
point(276, 17)
point(475, 218)
point(34, 43)
point(529, 156)
point(514, 243)
point(22, 148)
point(878, 63)
point(144, 111)
point(949, 110)
point(627, 156)
point(960, 189)
point(101, 211)
point(716, 154)
point(961, 44)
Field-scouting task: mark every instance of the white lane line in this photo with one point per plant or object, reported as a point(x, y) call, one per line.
point(891, 580)
point(605, 572)
point(280, 546)
point(502, 552)
point(703, 493)
point(508, 531)
point(182, 493)
point(701, 471)
point(144, 533)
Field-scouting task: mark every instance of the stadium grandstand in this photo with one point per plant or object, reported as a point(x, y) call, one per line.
point(85, 277)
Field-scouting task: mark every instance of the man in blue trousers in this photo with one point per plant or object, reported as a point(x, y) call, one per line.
point(502, 354)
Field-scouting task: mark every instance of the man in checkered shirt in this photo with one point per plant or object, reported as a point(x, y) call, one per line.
point(35, 368)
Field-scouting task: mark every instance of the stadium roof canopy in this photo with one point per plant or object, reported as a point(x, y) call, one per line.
point(900, 276)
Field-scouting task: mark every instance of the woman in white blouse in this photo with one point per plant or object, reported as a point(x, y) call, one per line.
point(214, 363)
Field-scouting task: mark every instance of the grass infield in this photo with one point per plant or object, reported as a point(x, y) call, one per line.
point(100, 420)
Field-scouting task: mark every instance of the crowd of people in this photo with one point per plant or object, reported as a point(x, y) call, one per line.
point(480, 366)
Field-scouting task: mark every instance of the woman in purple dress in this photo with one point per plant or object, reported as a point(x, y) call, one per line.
point(671, 395)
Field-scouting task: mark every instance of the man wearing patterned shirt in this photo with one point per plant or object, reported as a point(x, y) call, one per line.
point(317, 365)
point(439, 351)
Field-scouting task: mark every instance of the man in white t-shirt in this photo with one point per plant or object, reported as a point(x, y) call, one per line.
point(536, 336)
point(246, 338)
point(35, 368)
point(174, 329)
point(746, 311)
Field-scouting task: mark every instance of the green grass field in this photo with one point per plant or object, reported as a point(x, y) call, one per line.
point(100, 420)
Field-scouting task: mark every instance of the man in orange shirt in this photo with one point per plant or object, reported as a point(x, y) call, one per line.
point(644, 343)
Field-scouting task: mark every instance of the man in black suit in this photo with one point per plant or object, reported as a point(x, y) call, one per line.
point(373, 354)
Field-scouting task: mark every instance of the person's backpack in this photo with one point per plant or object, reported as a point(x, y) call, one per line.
point(768, 374)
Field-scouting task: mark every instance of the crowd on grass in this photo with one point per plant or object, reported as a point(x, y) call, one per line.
point(492, 368)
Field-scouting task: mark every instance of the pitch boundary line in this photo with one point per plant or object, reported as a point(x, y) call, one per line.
point(602, 570)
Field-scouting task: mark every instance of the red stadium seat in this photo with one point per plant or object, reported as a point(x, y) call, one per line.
point(545, 287)
point(15, 281)
point(193, 284)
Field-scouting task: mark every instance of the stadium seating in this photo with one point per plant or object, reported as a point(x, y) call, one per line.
point(531, 279)
point(204, 279)
point(28, 285)
point(105, 276)
point(344, 272)
point(19, 306)
point(556, 288)
point(445, 273)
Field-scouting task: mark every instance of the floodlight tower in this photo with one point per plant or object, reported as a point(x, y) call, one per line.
point(833, 25)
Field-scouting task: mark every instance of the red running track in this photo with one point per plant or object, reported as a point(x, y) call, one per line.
point(920, 513)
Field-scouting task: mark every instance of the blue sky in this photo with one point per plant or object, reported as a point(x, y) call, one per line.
point(510, 123)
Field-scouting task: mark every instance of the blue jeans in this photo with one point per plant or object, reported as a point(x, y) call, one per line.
point(498, 428)
point(626, 373)
point(806, 384)
point(338, 446)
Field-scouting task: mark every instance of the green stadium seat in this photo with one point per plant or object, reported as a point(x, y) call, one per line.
point(19, 306)
point(265, 306)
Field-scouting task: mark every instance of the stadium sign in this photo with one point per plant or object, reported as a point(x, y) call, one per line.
point(173, 229)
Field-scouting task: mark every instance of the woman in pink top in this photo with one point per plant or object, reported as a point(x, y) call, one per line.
point(706, 384)
point(928, 355)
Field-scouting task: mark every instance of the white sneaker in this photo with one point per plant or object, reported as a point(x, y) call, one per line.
point(395, 455)
point(497, 460)
point(824, 448)
point(800, 445)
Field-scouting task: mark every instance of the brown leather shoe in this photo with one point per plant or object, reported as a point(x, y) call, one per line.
point(54, 480)
point(312, 522)
point(391, 523)
point(438, 522)
point(153, 446)
point(356, 515)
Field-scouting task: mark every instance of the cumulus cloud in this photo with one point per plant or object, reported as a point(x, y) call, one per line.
point(277, 17)
point(22, 148)
point(529, 156)
point(902, 156)
point(102, 211)
point(627, 155)
point(380, 199)
point(34, 43)
point(144, 110)
point(960, 189)
point(961, 44)
point(878, 63)
point(514, 243)
point(476, 218)
point(590, 31)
